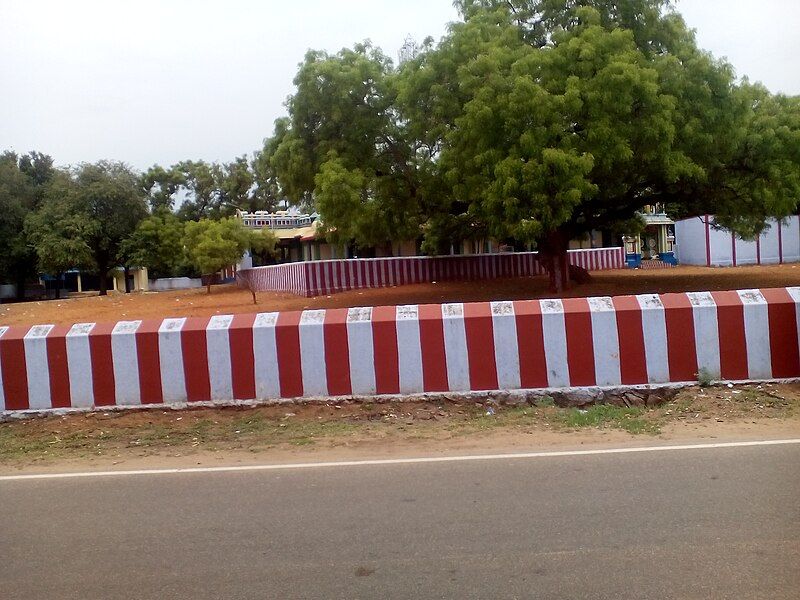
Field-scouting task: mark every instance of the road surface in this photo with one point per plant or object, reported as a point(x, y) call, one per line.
point(700, 523)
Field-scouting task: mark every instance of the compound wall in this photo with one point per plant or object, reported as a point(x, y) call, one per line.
point(699, 243)
point(315, 278)
point(620, 341)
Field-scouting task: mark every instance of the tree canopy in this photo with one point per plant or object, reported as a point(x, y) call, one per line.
point(24, 181)
point(536, 121)
point(157, 243)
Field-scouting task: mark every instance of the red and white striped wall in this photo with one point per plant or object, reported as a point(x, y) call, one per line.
point(620, 341)
point(315, 278)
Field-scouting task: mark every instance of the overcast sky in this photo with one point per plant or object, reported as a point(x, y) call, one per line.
point(158, 81)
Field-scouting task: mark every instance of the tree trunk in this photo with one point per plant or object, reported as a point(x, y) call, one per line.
point(208, 283)
point(554, 256)
point(58, 286)
point(102, 260)
point(127, 272)
point(255, 300)
point(21, 280)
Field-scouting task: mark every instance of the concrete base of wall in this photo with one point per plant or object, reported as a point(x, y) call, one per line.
point(580, 397)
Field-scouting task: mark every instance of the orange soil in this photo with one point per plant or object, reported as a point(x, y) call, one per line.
point(229, 299)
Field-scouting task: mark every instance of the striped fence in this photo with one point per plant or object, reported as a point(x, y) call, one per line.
point(315, 278)
point(620, 341)
point(290, 277)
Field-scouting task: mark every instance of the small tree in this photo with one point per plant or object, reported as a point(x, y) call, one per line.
point(213, 245)
point(261, 242)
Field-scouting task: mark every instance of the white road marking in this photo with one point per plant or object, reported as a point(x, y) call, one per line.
point(400, 461)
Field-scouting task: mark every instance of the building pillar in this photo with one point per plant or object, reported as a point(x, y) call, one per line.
point(80, 283)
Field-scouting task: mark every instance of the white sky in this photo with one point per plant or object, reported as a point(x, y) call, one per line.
point(158, 81)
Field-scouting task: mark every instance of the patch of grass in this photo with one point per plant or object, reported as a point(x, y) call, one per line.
point(603, 415)
point(704, 378)
point(545, 401)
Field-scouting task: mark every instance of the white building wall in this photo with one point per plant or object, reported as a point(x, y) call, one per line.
point(791, 240)
point(721, 246)
point(746, 252)
point(770, 245)
point(779, 243)
point(690, 241)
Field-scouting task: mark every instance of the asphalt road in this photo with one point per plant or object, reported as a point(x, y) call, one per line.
point(721, 523)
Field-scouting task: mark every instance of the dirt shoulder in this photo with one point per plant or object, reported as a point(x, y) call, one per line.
point(229, 299)
point(300, 433)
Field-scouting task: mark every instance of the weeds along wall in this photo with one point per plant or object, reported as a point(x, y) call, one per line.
point(620, 341)
point(316, 278)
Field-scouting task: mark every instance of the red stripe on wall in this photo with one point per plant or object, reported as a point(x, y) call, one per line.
point(58, 367)
point(632, 358)
point(287, 340)
point(480, 346)
point(15, 376)
point(103, 383)
point(149, 362)
point(732, 340)
point(243, 361)
point(384, 342)
point(580, 349)
point(194, 346)
point(337, 355)
point(680, 326)
point(434, 361)
point(530, 341)
point(783, 341)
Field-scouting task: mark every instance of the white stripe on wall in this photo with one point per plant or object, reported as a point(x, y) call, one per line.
point(173, 379)
point(409, 350)
point(265, 352)
point(605, 339)
point(706, 332)
point(654, 328)
point(506, 350)
point(126, 363)
point(219, 346)
point(35, 343)
point(79, 362)
point(455, 345)
point(794, 292)
point(756, 331)
point(555, 340)
point(361, 350)
point(312, 353)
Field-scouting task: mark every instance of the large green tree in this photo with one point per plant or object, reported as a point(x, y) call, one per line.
point(24, 181)
point(108, 196)
point(536, 121)
point(58, 232)
point(579, 113)
point(345, 148)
